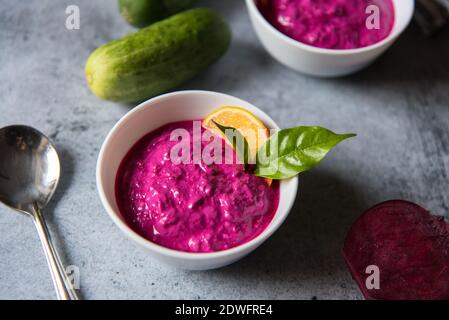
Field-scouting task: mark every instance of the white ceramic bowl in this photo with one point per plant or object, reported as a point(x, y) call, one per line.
point(325, 62)
point(150, 115)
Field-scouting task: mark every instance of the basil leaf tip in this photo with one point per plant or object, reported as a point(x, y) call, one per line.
point(237, 141)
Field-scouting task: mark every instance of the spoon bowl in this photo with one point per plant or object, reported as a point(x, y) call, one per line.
point(29, 168)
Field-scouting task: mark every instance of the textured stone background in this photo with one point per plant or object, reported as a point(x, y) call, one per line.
point(399, 107)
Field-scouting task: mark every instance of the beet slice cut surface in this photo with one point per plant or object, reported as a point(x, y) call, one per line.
point(410, 247)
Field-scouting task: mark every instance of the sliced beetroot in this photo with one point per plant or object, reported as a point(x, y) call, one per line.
point(409, 246)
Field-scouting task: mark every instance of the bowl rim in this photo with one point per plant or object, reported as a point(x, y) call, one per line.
point(197, 256)
point(254, 10)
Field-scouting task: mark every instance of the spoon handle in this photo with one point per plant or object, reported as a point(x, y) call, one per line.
point(62, 284)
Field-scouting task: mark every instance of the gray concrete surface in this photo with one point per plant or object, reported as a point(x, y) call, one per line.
point(399, 107)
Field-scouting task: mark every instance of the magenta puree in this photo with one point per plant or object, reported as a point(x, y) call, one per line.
point(191, 207)
point(332, 24)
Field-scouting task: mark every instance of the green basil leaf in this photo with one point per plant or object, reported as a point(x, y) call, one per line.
point(292, 151)
point(234, 137)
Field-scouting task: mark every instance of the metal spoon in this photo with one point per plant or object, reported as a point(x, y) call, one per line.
point(29, 175)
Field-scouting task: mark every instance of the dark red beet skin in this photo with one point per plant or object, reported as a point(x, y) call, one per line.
point(410, 247)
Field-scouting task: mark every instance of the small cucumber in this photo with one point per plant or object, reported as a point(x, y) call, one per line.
point(142, 13)
point(157, 58)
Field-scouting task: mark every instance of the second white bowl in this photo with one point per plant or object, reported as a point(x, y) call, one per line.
point(150, 115)
point(325, 62)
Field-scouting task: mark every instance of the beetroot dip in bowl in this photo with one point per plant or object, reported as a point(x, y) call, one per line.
point(328, 38)
point(331, 24)
point(232, 213)
point(192, 207)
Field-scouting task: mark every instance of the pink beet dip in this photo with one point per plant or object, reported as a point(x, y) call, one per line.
point(331, 24)
point(187, 206)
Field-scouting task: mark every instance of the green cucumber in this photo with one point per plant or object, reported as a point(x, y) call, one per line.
point(157, 58)
point(142, 13)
